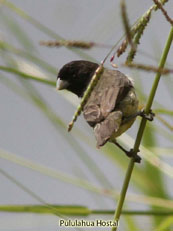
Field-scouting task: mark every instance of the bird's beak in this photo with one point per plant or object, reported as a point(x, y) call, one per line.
point(61, 84)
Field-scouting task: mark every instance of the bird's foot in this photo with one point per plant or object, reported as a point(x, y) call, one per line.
point(149, 116)
point(134, 155)
point(130, 153)
point(142, 113)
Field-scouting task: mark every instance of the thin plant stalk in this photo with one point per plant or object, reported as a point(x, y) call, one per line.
point(141, 129)
point(77, 210)
point(27, 76)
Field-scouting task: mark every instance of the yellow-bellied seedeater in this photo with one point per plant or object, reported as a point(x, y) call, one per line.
point(112, 106)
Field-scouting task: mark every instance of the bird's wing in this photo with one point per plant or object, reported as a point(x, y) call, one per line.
point(104, 130)
point(108, 100)
point(92, 113)
point(100, 104)
point(113, 91)
point(109, 91)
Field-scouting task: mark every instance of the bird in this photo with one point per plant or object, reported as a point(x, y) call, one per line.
point(112, 106)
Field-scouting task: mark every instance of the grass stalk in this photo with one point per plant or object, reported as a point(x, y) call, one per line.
point(76, 210)
point(27, 76)
point(141, 129)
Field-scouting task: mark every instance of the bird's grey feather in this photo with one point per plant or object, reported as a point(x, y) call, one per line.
point(100, 110)
point(109, 91)
point(104, 130)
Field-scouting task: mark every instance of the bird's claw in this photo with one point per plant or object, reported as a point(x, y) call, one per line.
point(149, 116)
point(133, 154)
point(130, 153)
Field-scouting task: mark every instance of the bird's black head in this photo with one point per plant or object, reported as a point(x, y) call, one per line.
point(75, 76)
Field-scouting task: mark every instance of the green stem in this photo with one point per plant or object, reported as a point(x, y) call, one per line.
point(76, 210)
point(141, 129)
point(135, 212)
point(27, 76)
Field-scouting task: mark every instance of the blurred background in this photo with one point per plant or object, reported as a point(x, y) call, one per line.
point(41, 163)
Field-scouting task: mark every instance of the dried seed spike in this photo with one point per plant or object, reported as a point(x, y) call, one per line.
point(87, 93)
point(122, 48)
point(72, 43)
point(138, 35)
point(126, 24)
point(163, 71)
point(135, 28)
point(50, 43)
point(159, 5)
point(68, 43)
